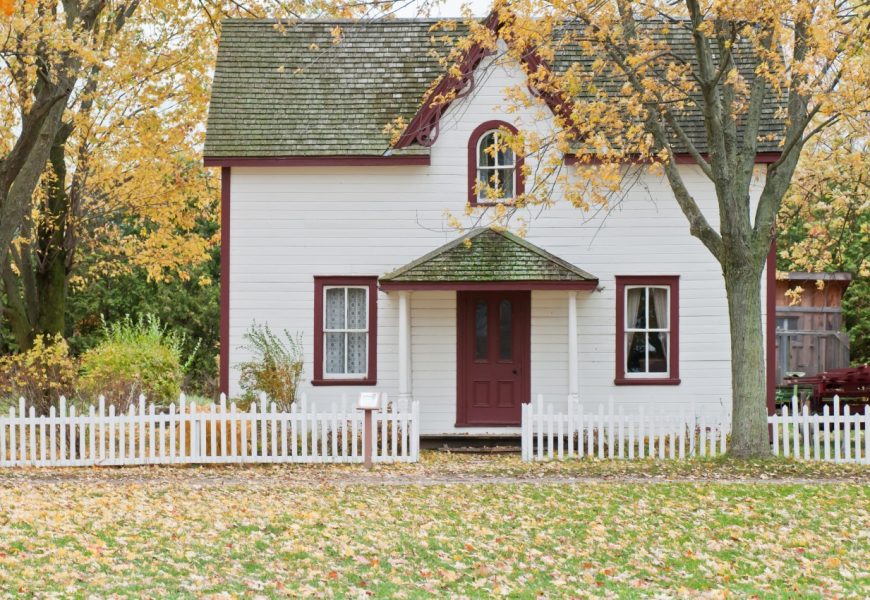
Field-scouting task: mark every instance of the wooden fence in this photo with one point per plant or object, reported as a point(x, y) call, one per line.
point(837, 435)
point(810, 352)
point(611, 433)
point(214, 433)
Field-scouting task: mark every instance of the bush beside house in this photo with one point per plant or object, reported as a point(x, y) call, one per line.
point(40, 375)
point(275, 367)
point(134, 357)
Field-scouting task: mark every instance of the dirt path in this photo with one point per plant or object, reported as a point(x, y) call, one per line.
point(209, 477)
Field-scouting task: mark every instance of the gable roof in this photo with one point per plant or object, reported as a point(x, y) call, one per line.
point(488, 255)
point(292, 92)
point(296, 93)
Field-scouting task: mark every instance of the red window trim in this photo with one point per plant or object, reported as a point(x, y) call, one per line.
point(673, 281)
point(472, 161)
point(345, 280)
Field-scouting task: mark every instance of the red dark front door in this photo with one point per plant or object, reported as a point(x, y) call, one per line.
point(493, 375)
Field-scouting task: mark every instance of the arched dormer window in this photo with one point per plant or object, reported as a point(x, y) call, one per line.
point(494, 171)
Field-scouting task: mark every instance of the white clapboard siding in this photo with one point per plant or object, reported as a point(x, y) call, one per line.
point(370, 220)
point(214, 433)
point(836, 436)
point(607, 432)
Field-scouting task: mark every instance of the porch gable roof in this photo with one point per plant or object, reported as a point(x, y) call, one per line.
point(488, 258)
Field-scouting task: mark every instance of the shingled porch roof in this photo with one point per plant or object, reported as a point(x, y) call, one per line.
point(487, 258)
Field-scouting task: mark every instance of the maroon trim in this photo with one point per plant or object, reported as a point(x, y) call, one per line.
point(478, 132)
point(315, 161)
point(467, 286)
point(762, 158)
point(538, 69)
point(358, 280)
point(424, 126)
point(224, 364)
point(771, 328)
point(673, 281)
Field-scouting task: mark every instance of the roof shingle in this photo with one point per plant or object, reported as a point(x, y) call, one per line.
point(293, 92)
point(488, 255)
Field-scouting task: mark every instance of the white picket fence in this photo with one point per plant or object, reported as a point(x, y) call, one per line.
point(836, 435)
point(611, 433)
point(214, 433)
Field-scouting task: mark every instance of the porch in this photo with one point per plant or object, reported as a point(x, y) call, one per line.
point(469, 338)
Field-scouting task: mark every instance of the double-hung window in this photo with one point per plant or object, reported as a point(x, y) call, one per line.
point(647, 330)
point(495, 172)
point(345, 319)
point(496, 168)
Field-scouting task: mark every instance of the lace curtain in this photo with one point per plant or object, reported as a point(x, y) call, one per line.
point(356, 342)
point(346, 350)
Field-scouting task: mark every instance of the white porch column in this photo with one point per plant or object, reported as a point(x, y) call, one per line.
point(573, 384)
point(404, 346)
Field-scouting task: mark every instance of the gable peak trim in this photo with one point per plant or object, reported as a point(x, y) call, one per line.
point(424, 127)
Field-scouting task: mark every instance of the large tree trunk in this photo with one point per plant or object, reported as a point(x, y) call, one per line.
point(749, 437)
point(52, 270)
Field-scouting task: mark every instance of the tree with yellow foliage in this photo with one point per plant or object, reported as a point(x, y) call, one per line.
point(721, 61)
point(108, 103)
point(824, 223)
point(50, 53)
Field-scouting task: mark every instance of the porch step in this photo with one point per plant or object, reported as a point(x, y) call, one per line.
point(480, 445)
point(480, 449)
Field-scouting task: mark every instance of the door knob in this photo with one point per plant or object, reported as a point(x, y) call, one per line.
point(515, 371)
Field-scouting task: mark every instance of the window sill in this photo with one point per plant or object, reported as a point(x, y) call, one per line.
point(645, 381)
point(493, 424)
point(344, 382)
point(508, 202)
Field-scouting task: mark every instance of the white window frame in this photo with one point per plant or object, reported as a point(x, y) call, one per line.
point(497, 167)
point(346, 331)
point(647, 330)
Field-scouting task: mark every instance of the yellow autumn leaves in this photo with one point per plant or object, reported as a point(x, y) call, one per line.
point(323, 532)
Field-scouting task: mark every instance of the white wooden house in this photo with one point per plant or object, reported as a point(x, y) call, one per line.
point(332, 231)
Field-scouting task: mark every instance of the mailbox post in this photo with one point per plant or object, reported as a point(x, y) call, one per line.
point(368, 402)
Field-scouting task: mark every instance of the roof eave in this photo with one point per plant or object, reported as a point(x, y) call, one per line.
point(519, 285)
point(342, 160)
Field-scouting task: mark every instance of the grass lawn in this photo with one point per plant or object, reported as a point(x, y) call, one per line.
point(419, 531)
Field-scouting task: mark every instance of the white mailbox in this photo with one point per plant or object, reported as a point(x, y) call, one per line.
point(369, 401)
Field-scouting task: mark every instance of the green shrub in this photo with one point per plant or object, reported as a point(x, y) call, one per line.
point(136, 357)
point(275, 366)
point(39, 375)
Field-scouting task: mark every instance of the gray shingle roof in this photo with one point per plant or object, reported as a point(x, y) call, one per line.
point(485, 254)
point(296, 93)
point(679, 40)
point(293, 92)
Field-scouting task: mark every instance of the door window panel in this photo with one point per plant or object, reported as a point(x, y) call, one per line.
point(481, 333)
point(505, 330)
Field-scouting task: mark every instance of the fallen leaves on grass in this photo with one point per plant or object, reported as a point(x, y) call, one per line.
point(261, 533)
